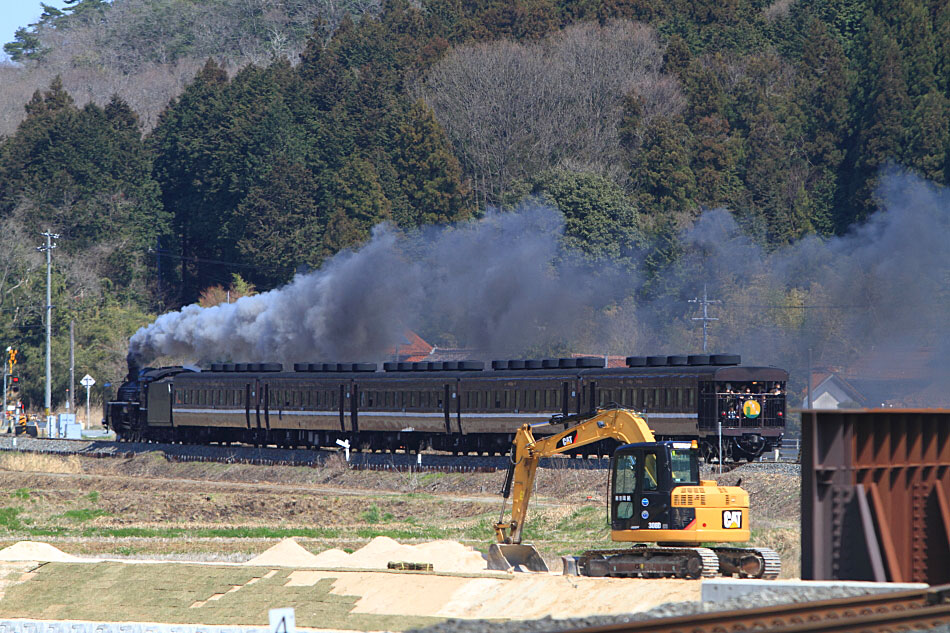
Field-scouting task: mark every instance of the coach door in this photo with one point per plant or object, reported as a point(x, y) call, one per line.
point(354, 396)
point(343, 400)
point(256, 396)
point(248, 394)
point(571, 402)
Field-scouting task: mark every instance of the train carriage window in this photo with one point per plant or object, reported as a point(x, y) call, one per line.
point(670, 397)
point(692, 397)
point(557, 398)
point(657, 394)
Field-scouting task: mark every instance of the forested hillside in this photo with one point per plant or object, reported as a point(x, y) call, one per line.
point(176, 143)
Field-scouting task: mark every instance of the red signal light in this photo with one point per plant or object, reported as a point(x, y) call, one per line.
point(16, 379)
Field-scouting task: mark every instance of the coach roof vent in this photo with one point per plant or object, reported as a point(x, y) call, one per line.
point(533, 363)
point(404, 366)
point(435, 365)
point(216, 367)
point(227, 367)
point(725, 359)
point(567, 363)
point(516, 364)
point(636, 361)
point(591, 361)
point(471, 365)
point(657, 361)
point(450, 365)
point(391, 366)
point(698, 359)
point(499, 364)
point(317, 367)
point(678, 359)
point(550, 363)
point(240, 367)
point(271, 367)
point(420, 365)
point(367, 367)
point(301, 366)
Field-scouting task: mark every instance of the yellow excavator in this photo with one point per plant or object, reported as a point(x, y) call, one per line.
point(656, 500)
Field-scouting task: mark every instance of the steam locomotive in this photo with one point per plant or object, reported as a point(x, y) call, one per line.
point(452, 406)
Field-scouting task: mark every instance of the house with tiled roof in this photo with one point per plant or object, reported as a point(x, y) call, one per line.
point(830, 391)
point(411, 347)
point(887, 376)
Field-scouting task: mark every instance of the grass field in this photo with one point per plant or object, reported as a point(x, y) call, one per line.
point(186, 594)
point(148, 507)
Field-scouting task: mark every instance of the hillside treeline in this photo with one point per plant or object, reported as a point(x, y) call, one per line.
point(176, 143)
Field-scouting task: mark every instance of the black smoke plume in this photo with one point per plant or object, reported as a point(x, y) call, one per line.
point(505, 286)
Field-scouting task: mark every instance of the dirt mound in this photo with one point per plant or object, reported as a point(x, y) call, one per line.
point(444, 556)
point(32, 550)
point(287, 553)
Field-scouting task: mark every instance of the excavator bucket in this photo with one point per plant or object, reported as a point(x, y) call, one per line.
point(509, 557)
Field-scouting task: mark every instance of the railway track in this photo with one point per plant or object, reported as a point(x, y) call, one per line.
point(912, 610)
point(268, 456)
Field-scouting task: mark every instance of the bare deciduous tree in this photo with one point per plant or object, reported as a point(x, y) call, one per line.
point(514, 109)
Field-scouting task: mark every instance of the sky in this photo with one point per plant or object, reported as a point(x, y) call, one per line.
point(17, 13)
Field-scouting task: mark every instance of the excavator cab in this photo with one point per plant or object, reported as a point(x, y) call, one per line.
point(643, 477)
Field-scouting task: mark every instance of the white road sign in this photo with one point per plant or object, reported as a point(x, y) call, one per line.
point(87, 381)
point(282, 620)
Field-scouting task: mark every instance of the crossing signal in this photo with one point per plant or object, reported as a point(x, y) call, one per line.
point(16, 384)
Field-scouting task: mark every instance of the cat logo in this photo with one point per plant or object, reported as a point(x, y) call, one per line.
point(732, 519)
point(568, 439)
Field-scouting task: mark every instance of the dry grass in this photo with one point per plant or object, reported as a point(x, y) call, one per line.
point(788, 543)
point(187, 594)
point(39, 463)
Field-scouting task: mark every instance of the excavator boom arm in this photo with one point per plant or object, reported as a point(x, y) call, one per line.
point(619, 424)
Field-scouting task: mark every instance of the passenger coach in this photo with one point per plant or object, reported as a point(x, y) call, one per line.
point(453, 406)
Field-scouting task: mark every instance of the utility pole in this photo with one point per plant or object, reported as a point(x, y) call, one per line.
point(48, 249)
point(705, 301)
point(71, 403)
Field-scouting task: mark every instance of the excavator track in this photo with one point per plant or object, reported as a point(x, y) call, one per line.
point(644, 561)
point(749, 562)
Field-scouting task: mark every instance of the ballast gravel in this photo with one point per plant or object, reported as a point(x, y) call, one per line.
point(669, 610)
point(273, 456)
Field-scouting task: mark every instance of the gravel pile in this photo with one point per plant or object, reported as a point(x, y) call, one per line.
point(669, 610)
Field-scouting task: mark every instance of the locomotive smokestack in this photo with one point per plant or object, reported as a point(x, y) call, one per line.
point(132, 361)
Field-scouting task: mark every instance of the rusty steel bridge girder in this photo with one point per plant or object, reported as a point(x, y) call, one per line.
point(876, 495)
